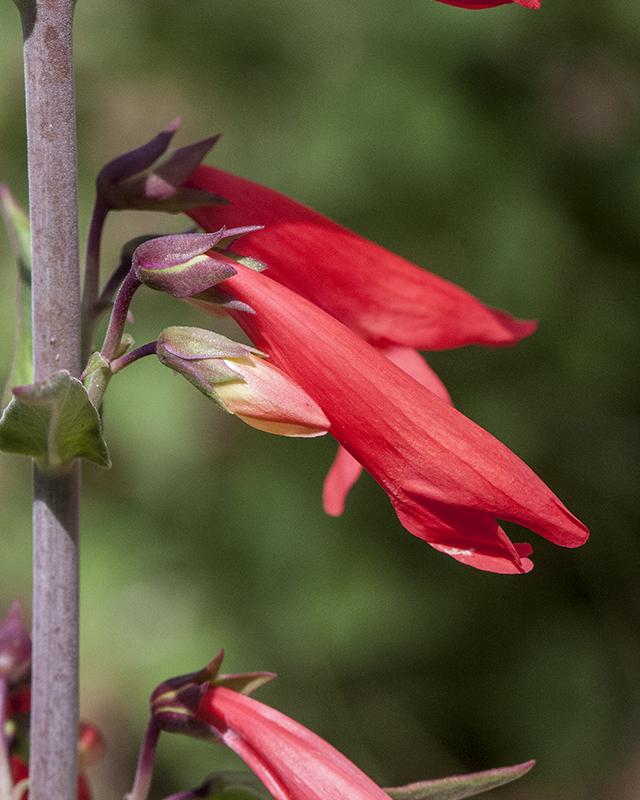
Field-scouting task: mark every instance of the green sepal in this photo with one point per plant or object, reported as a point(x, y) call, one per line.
point(248, 261)
point(53, 422)
point(97, 361)
point(236, 786)
point(175, 702)
point(196, 354)
point(244, 683)
point(459, 786)
point(16, 221)
point(126, 343)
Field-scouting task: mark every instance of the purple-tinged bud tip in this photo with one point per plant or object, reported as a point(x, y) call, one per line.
point(178, 264)
point(152, 178)
point(174, 703)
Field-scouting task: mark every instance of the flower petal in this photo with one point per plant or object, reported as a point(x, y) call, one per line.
point(490, 3)
point(379, 295)
point(291, 761)
point(342, 475)
point(447, 478)
point(345, 470)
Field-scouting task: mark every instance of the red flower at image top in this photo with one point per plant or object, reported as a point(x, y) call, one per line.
point(447, 478)
point(490, 4)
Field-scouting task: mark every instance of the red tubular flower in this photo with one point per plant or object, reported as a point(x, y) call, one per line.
point(345, 470)
point(447, 478)
point(291, 761)
point(379, 295)
point(491, 3)
point(388, 301)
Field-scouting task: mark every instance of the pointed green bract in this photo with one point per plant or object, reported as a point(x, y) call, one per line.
point(16, 220)
point(459, 786)
point(53, 422)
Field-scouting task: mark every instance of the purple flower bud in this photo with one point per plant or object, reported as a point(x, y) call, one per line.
point(174, 703)
point(179, 264)
point(152, 178)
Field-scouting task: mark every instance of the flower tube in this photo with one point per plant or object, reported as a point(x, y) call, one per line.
point(291, 761)
point(393, 304)
point(447, 478)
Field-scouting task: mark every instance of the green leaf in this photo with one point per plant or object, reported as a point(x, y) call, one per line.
point(458, 786)
point(16, 220)
point(237, 786)
point(17, 223)
point(53, 422)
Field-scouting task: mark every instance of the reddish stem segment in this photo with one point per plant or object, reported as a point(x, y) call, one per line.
point(144, 772)
point(90, 311)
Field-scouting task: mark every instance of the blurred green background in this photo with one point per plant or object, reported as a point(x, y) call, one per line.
point(501, 150)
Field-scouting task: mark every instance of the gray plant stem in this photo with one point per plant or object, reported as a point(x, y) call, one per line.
point(47, 29)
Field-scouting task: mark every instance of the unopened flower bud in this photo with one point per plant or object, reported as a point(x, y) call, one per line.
point(174, 703)
point(152, 178)
point(179, 265)
point(239, 379)
point(91, 746)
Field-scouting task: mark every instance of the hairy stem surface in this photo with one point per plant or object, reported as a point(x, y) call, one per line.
point(47, 29)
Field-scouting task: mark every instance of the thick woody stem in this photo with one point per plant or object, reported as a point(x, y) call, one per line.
point(47, 29)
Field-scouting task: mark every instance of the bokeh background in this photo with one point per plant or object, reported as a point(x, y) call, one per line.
point(501, 150)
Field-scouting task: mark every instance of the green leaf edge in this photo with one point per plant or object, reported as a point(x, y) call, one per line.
point(25, 424)
point(457, 787)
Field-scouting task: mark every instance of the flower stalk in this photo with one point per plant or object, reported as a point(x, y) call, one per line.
point(91, 288)
point(144, 772)
point(118, 318)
